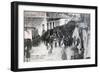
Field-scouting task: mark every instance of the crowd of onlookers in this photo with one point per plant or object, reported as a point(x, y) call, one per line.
point(71, 38)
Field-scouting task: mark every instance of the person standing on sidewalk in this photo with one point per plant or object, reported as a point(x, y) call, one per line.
point(28, 40)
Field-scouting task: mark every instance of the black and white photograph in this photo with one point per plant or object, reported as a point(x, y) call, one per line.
point(56, 36)
point(53, 36)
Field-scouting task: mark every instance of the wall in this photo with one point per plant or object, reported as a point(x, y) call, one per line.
point(35, 19)
point(37, 23)
point(5, 17)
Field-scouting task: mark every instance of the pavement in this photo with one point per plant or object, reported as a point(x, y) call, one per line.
point(40, 53)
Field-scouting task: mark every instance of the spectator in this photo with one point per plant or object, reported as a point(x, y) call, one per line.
point(28, 39)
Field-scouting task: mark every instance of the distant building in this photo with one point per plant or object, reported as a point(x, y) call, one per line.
point(44, 21)
point(55, 19)
point(35, 19)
